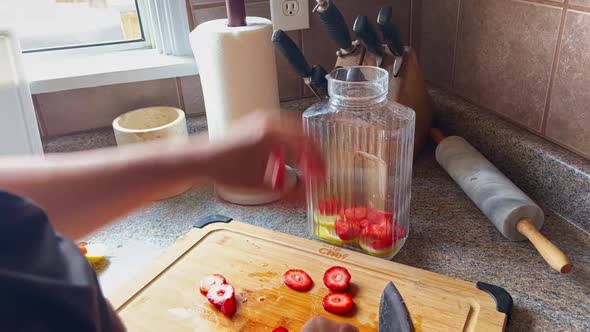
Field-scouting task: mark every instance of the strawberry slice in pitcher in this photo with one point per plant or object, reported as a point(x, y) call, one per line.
point(347, 230)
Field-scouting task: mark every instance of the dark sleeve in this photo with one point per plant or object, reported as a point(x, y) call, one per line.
point(46, 284)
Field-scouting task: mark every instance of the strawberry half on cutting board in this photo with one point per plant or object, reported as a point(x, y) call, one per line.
point(223, 298)
point(210, 281)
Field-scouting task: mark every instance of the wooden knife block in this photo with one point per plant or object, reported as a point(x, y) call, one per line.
point(407, 89)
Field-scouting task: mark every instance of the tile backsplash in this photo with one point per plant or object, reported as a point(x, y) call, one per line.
point(528, 61)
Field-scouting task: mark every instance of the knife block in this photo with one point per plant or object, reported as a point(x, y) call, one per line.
point(408, 88)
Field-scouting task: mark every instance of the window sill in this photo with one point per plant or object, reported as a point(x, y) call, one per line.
point(57, 72)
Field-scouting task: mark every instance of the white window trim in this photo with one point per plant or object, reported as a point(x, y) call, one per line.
point(166, 29)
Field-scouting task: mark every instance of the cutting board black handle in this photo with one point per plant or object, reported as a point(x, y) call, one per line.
point(211, 220)
point(500, 295)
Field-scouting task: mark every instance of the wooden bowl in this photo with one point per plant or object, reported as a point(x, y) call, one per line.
point(152, 123)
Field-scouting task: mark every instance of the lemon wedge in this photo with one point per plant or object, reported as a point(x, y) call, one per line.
point(325, 221)
point(95, 252)
point(327, 234)
point(379, 253)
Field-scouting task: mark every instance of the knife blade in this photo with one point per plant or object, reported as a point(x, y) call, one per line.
point(287, 47)
point(334, 23)
point(392, 37)
point(355, 74)
point(367, 35)
point(393, 315)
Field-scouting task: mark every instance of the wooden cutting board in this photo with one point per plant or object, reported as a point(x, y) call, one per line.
point(165, 296)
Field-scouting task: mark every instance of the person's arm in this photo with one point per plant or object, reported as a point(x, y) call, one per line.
point(83, 191)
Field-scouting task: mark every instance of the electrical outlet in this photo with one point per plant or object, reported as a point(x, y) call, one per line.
point(290, 8)
point(289, 15)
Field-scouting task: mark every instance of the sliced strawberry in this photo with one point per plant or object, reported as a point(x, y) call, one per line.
point(349, 214)
point(219, 294)
point(364, 223)
point(337, 278)
point(228, 308)
point(82, 248)
point(380, 231)
point(330, 206)
point(381, 244)
point(360, 213)
point(210, 281)
point(336, 204)
point(378, 215)
point(338, 303)
point(347, 230)
point(298, 280)
point(280, 329)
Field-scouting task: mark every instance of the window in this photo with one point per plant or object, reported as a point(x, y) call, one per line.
point(72, 44)
point(43, 25)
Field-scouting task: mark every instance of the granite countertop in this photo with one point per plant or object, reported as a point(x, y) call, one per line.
point(448, 235)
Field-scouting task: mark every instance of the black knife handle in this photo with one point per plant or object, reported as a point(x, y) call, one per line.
point(318, 79)
point(366, 33)
point(334, 23)
point(291, 52)
point(390, 31)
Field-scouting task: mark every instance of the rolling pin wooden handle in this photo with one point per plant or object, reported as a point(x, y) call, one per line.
point(552, 255)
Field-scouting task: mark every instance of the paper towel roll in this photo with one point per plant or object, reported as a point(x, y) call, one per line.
point(238, 76)
point(237, 69)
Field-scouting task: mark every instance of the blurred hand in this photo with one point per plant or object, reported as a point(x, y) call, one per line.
point(322, 324)
point(255, 143)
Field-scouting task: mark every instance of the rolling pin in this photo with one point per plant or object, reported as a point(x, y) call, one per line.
point(513, 213)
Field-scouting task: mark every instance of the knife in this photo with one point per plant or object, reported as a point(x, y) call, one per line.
point(393, 315)
point(366, 33)
point(293, 54)
point(355, 74)
point(392, 37)
point(334, 23)
point(318, 80)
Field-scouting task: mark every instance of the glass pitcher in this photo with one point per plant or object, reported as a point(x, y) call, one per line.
point(367, 142)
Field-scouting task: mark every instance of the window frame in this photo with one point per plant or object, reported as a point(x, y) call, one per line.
point(121, 45)
point(48, 71)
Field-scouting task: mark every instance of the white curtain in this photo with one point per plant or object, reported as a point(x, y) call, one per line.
point(169, 29)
